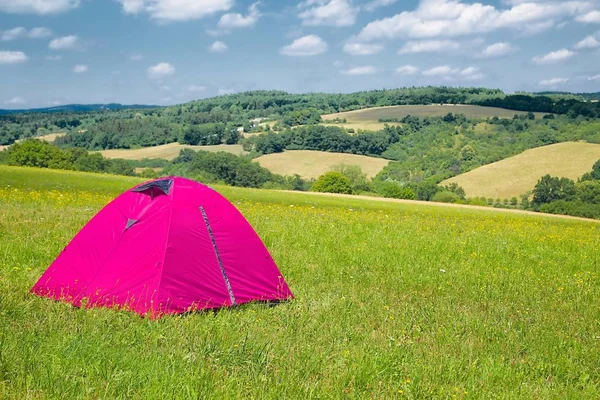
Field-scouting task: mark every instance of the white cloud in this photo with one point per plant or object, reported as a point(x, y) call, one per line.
point(63, 43)
point(442, 70)
point(471, 74)
point(13, 34)
point(593, 78)
point(54, 58)
point(309, 45)
point(176, 10)
point(327, 12)
point(554, 57)
point(20, 32)
point(407, 70)
point(236, 20)
point(553, 82)
point(429, 46)
point(338, 63)
point(12, 57)
point(79, 69)
point(196, 88)
point(592, 17)
point(364, 70)
point(362, 49)
point(161, 70)
point(496, 50)
point(16, 100)
point(589, 42)
point(136, 57)
point(39, 33)
point(226, 91)
point(375, 4)
point(37, 6)
point(218, 47)
point(435, 18)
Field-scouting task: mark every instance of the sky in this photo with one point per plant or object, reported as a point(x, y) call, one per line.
point(164, 52)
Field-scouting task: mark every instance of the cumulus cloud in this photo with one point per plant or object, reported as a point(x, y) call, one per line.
point(136, 57)
point(375, 4)
point(434, 18)
point(407, 70)
point(362, 49)
point(63, 43)
point(16, 100)
point(226, 91)
point(430, 46)
point(327, 12)
point(176, 10)
point(450, 73)
point(235, 20)
point(592, 17)
point(79, 69)
point(12, 57)
point(41, 7)
point(553, 82)
point(364, 70)
point(589, 42)
point(442, 70)
point(309, 45)
point(20, 32)
point(554, 57)
point(497, 50)
point(218, 47)
point(593, 78)
point(160, 70)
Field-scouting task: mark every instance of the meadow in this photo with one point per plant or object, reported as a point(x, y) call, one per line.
point(312, 164)
point(368, 118)
point(392, 301)
point(517, 175)
point(168, 151)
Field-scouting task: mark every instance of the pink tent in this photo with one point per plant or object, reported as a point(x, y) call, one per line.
point(167, 246)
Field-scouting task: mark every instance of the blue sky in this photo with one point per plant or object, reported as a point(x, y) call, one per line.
point(172, 51)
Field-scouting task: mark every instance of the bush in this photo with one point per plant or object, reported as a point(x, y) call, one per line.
point(358, 179)
point(395, 191)
point(445, 197)
point(332, 182)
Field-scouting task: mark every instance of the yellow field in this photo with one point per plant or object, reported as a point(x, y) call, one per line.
point(516, 175)
point(168, 151)
point(48, 138)
point(368, 118)
point(3, 147)
point(312, 164)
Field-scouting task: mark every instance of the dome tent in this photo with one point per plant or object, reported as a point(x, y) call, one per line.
point(167, 246)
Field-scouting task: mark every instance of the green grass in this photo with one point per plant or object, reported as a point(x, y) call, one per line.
point(392, 301)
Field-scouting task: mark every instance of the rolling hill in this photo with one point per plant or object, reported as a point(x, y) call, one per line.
point(312, 164)
point(516, 175)
point(168, 151)
point(68, 108)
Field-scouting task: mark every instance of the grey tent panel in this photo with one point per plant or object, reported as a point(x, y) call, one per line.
point(164, 185)
point(130, 223)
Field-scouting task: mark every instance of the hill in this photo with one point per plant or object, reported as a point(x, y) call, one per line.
point(75, 108)
point(311, 164)
point(516, 175)
point(167, 151)
point(368, 118)
point(392, 300)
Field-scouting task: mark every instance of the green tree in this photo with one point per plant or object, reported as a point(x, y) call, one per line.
point(332, 182)
point(549, 189)
point(358, 179)
point(445, 196)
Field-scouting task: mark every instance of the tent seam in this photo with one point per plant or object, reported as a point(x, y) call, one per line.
point(172, 194)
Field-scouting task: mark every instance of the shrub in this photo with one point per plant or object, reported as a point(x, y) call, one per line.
point(445, 197)
point(332, 182)
point(395, 191)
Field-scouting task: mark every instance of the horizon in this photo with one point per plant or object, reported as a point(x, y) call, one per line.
point(60, 52)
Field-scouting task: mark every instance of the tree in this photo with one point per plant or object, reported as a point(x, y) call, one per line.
point(395, 190)
point(445, 197)
point(332, 182)
point(594, 175)
point(549, 189)
point(358, 179)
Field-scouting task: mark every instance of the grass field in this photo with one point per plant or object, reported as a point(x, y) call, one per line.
point(312, 164)
point(516, 175)
point(392, 301)
point(167, 151)
point(48, 138)
point(368, 118)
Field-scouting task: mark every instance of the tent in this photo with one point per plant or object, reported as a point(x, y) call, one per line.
point(167, 246)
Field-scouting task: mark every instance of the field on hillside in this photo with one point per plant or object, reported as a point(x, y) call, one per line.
point(392, 301)
point(368, 118)
point(516, 175)
point(312, 164)
point(48, 138)
point(168, 151)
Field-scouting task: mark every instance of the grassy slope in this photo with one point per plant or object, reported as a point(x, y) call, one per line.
point(368, 118)
point(167, 151)
point(392, 301)
point(516, 175)
point(312, 164)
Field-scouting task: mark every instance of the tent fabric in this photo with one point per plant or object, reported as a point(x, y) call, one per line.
point(165, 247)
